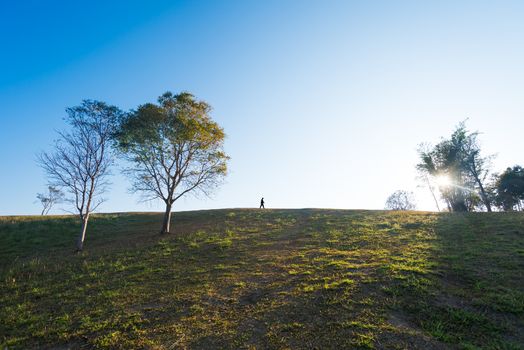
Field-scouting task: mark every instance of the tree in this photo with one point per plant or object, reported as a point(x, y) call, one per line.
point(459, 170)
point(424, 177)
point(174, 148)
point(401, 200)
point(476, 166)
point(81, 160)
point(441, 163)
point(509, 189)
point(53, 196)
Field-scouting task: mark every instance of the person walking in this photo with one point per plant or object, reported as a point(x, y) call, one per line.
point(262, 204)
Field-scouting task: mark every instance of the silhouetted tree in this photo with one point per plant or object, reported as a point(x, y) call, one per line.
point(441, 162)
point(509, 189)
point(53, 196)
point(475, 165)
point(458, 159)
point(81, 158)
point(174, 147)
point(401, 200)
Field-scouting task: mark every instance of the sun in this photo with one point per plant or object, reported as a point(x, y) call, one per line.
point(443, 180)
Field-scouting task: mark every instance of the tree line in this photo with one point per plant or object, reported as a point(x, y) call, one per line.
point(456, 170)
point(169, 149)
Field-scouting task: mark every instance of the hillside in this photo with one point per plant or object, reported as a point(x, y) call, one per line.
point(265, 279)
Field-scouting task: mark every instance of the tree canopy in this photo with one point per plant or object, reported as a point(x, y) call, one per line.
point(173, 148)
point(401, 200)
point(509, 188)
point(459, 169)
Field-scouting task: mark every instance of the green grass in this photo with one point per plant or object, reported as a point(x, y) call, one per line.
point(265, 279)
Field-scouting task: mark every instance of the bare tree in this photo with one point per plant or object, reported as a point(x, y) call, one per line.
point(174, 148)
point(81, 160)
point(401, 200)
point(49, 199)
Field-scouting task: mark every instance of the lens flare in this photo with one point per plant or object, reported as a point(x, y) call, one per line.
point(443, 181)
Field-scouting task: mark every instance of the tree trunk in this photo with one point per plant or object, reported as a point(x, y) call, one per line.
point(82, 236)
point(167, 219)
point(45, 209)
point(459, 206)
point(483, 194)
point(484, 197)
point(432, 192)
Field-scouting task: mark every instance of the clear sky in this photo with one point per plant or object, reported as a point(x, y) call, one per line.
point(324, 102)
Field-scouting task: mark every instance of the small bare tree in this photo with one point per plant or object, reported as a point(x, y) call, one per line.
point(49, 199)
point(174, 148)
point(401, 200)
point(81, 160)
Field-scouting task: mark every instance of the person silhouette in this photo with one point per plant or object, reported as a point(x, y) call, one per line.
point(262, 204)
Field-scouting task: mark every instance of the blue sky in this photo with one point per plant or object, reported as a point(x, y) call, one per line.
point(324, 102)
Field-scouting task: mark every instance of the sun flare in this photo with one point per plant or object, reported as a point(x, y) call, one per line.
point(443, 181)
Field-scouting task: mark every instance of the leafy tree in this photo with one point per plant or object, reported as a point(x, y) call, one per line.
point(49, 199)
point(401, 200)
point(81, 160)
point(174, 148)
point(509, 189)
point(441, 162)
point(459, 161)
point(476, 166)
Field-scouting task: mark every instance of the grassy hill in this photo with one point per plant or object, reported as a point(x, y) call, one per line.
point(265, 279)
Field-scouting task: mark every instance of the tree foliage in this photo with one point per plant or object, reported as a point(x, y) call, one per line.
point(81, 159)
point(401, 200)
point(173, 148)
point(458, 160)
point(509, 189)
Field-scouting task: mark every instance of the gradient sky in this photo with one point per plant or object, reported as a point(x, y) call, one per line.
point(324, 102)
